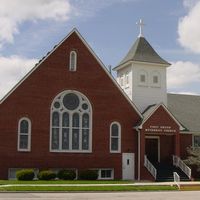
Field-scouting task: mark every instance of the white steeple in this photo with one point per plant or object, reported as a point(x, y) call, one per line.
point(142, 73)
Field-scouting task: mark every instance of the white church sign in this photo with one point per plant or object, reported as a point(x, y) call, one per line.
point(160, 129)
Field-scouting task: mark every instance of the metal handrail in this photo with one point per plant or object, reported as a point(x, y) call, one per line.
point(176, 179)
point(150, 167)
point(179, 163)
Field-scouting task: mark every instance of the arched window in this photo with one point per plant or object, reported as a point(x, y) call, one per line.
point(71, 122)
point(73, 61)
point(115, 137)
point(24, 134)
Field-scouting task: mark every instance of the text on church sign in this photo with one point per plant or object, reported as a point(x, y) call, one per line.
point(160, 129)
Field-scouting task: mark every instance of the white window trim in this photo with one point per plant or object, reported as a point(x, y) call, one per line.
point(121, 80)
point(119, 137)
point(75, 62)
point(70, 150)
point(127, 79)
point(29, 135)
point(101, 178)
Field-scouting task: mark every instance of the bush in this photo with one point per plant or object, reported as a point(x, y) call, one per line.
point(88, 175)
point(46, 175)
point(65, 174)
point(25, 175)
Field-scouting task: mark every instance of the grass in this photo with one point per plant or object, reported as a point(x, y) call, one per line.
point(11, 182)
point(88, 188)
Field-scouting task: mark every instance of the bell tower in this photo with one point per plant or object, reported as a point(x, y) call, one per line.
point(142, 73)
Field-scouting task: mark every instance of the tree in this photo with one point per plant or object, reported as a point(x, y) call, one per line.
point(193, 158)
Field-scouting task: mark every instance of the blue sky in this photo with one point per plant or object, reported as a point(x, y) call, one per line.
point(31, 28)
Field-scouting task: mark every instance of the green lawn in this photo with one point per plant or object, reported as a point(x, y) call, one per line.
point(88, 188)
point(9, 182)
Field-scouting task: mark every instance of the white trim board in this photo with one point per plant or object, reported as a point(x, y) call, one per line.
point(95, 56)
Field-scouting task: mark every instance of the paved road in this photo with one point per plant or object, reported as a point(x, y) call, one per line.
point(175, 195)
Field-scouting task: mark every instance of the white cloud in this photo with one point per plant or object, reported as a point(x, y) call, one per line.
point(14, 13)
point(185, 92)
point(182, 73)
point(189, 3)
point(12, 69)
point(188, 27)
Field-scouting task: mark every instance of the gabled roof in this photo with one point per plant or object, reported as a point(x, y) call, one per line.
point(142, 51)
point(95, 56)
point(186, 108)
point(150, 110)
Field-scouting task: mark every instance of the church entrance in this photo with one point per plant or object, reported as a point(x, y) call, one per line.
point(152, 148)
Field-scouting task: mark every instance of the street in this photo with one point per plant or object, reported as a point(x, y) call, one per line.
point(173, 195)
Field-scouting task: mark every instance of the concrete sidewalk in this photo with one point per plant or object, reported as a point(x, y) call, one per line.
point(93, 185)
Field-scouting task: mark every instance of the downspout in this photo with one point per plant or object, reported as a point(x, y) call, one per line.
point(138, 131)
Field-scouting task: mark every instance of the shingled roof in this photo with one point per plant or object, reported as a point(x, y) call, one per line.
point(142, 51)
point(186, 109)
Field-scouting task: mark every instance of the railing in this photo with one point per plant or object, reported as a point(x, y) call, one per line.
point(150, 167)
point(177, 179)
point(179, 163)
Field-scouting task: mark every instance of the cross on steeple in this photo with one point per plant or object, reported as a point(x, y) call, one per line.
point(140, 24)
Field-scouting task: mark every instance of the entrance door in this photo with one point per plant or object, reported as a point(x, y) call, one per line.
point(128, 166)
point(152, 149)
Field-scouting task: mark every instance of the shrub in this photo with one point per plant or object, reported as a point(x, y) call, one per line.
point(66, 174)
point(25, 174)
point(88, 175)
point(46, 175)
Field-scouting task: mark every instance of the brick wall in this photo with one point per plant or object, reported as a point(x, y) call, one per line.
point(33, 99)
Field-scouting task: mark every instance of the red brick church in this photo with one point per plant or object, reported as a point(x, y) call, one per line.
point(70, 112)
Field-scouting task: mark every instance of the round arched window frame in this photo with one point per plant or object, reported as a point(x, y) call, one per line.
point(24, 134)
point(115, 137)
point(73, 61)
point(71, 123)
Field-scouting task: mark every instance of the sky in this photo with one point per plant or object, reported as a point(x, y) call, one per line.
point(29, 29)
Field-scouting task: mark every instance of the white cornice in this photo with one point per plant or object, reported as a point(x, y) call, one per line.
point(139, 63)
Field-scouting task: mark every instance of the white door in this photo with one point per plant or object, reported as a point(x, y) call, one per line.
point(128, 166)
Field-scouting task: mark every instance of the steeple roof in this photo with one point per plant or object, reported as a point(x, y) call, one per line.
point(142, 51)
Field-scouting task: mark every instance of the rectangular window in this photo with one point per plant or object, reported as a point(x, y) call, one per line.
point(196, 140)
point(75, 139)
point(12, 173)
point(85, 139)
point(23, 144)
point(121, 80)
point(142, 78)
point(114, 143)
point(127, 79)
point(106, 174)
point(55, 138)
point(155, 79)
point(65, 138)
